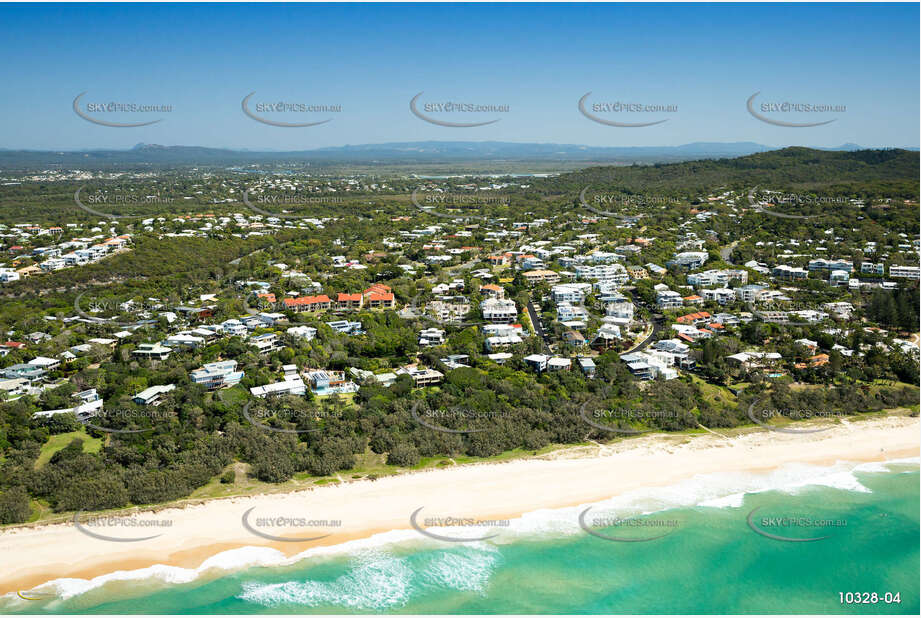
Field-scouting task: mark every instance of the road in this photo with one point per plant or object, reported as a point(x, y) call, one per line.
point(653, 336)
point(538, 326)
point(657, 321)
point(726, 251)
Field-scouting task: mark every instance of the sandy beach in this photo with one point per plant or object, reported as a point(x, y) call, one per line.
point(35, 555)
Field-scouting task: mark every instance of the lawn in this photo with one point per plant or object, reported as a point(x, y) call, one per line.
point(59, 441)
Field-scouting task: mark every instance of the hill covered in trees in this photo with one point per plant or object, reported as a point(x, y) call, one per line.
point(866, 172)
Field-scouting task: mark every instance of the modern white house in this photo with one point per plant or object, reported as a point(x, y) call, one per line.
point(292, 384)
point(152, 396)
point(304, 332)
point(265, 343)
point(619, 312)
point(689, 259)
point(431, 336)
point(8, 274)
point(668, 299)
point(566, 312)
point(154, 351)
point(214, 376)
point(722, 296)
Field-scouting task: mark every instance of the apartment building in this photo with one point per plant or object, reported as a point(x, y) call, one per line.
point(310, 304)
point(721, 278)
point(619, 311)
point(491, 290)
point(750, 293)
point(722, 296)
point(637, 272)
point(614, 274)
point(789, 273)
point(905, 272)
point(570, 292)
point(823, 264)
point(689, 260)
point(349, 302)
point(449, 308)
point(379, 296)
point(539, 276)
point(567, 312)
point(431, 336)
point(499, 311)
point(668, 299)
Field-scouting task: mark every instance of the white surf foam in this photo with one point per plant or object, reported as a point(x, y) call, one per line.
point(719, 490)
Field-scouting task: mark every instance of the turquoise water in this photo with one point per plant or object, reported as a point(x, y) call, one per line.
point(710, 561)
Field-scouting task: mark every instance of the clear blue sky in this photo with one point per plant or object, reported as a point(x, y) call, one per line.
point(538, 59)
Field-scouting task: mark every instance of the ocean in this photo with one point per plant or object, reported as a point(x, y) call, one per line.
point(799, 539)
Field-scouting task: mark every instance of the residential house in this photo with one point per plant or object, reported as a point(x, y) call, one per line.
point(152, 396)
point(214, 376)
point(265, 343)
point(152, 351)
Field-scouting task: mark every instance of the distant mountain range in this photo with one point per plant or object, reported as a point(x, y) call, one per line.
point(390, 153)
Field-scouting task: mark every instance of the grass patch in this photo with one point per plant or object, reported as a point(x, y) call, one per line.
point(57, 442)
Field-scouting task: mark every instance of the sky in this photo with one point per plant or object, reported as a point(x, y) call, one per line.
point(531, 62)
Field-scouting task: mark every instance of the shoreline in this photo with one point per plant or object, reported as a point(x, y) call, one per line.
point(200, 531)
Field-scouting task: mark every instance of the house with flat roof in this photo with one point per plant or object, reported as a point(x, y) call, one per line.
point(499, 311)
point(422, 376)
point(152, 351)
point(214, 376)
point(328, 382)
point(292, 384)
point(265, 343)
point(152, 396)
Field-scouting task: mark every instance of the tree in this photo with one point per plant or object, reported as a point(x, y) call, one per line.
point(403, 454)
point(14, 506)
